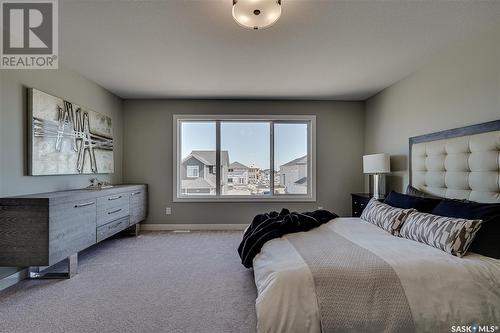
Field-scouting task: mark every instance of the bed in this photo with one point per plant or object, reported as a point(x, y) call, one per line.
point(352, 276)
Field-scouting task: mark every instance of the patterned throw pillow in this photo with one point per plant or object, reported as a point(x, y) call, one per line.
point(452, 235)
point(384, 216)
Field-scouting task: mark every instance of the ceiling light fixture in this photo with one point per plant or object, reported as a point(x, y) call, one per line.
point(256, 14)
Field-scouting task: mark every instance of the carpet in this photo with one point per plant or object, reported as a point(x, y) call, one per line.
point(157, 282)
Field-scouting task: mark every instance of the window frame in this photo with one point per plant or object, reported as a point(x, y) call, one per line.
point(272, 119)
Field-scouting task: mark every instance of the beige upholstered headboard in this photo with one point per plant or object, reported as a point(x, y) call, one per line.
point(462, 163)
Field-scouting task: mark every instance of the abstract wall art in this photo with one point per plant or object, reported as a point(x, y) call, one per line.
point(66, 138)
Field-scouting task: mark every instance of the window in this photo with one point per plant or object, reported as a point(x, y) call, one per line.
point(248, 148)
point(197, 156)
point(240, 158)
point(290, 158)
point(193, 171)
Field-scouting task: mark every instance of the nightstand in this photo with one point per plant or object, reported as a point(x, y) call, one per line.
point(359, 202)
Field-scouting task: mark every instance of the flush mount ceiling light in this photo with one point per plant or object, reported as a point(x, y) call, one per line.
point(256, 14)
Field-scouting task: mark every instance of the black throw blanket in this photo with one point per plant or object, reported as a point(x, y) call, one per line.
point(272, 225)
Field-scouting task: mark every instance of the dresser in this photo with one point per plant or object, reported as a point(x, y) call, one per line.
point(40, 230)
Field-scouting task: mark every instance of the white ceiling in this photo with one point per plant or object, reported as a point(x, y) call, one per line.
point(346, 50)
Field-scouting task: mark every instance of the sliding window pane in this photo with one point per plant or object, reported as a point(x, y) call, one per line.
point(245, 158)
point(290, 158)
point(198, 151)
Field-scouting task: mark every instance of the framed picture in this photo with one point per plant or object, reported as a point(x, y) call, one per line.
point(66, 138)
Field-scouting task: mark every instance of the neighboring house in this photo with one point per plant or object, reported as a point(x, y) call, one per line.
point(253, 174)
point(238, 174)
point(298, 187)
point(199, 172)
point(293, 176)
point(265, 174)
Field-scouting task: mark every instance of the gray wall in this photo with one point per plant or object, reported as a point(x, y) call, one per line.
point(459, 87)
point(13, 135)
point(148, 155)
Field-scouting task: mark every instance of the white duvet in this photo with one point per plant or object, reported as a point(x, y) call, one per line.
point(442, 290)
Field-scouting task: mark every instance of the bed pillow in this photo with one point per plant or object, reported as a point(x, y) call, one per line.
point(410, 190)
point(384, 216)
point(487, 241)
point(452, 235)
point(400, 200)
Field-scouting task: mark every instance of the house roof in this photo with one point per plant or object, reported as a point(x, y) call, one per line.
point(300, 160)
point(208, 157)
point(196, 183)
point(302, 181)
point(237, 165)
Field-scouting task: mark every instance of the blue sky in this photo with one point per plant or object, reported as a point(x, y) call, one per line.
point(247, 143)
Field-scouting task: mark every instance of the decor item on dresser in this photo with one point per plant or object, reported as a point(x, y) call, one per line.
point(384, 216)
point(96, 184)
point(66, 138)
point(377, 165)
point(41, 230)
point(399, 200)
point(452, 235)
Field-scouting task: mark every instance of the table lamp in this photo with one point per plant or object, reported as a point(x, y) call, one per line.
point(377, 165)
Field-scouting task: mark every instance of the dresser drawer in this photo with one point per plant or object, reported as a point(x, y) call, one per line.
point(112, 214)
point(71, 229)
point(112, 228)
point(111, 208)
point(137, 206)
point(112, 201)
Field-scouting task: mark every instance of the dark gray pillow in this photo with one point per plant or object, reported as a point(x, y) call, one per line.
point(415, 192)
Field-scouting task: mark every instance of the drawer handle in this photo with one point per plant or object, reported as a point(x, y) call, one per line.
point(115, 198)
point(114, 211)
point(84, 204)
point(135, 193)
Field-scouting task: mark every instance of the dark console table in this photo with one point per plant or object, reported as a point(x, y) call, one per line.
point(40, 230)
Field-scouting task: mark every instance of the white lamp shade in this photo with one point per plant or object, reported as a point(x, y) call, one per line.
point(376, 163)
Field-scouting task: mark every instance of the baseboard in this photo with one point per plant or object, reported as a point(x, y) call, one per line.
point(12, 279)
point(170, 227)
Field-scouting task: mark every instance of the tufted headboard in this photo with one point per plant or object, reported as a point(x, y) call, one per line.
point(461, 163)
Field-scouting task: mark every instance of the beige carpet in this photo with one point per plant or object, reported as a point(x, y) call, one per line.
point(157, 282)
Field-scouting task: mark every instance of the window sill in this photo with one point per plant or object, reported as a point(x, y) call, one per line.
point(246, 199)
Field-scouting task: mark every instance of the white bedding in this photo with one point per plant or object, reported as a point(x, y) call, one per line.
point(456, 291)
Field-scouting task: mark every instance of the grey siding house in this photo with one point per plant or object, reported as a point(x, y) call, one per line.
point(199, 172)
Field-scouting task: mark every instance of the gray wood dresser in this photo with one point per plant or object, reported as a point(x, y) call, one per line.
point(40, 230)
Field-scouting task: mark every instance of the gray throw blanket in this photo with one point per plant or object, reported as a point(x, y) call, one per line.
point(357, 291)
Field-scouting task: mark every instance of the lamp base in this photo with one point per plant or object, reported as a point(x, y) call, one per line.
point(378, 186)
